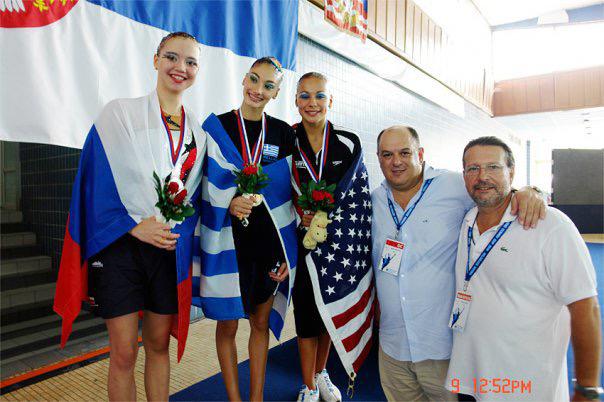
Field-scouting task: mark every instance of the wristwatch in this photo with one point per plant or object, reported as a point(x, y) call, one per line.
point(591, 393)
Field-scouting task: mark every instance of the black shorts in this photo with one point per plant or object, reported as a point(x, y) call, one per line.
point(258, 249)
point(129, 276)
point(309, 323)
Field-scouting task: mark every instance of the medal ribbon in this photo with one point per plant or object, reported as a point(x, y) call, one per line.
point(245, 144)
point(175, 152)
point(409, 211)
point(307, 163)
point(471, 271)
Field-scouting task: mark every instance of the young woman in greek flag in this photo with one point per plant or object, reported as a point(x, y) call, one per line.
point(117, 252)
point(245, 268)
point(325, 152)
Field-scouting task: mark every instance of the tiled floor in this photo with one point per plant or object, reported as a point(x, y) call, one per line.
point(89, 383)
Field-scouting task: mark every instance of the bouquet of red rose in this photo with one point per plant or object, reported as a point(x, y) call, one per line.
point(249, 181)
point(317, 197)
point(172, 200)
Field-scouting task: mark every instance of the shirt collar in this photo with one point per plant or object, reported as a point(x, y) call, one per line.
point(507, 216)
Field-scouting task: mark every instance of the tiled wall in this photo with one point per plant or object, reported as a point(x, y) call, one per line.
point(363, 102)
point(47, 175)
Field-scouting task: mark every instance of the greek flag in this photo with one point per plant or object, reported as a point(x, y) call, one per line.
point(215, 271)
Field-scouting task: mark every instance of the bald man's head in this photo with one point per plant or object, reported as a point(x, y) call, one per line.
point(401, 158)
point(404, 130)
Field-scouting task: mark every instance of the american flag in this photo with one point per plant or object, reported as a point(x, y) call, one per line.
point(340, 268)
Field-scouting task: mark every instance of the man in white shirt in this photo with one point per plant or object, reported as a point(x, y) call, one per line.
point(418, 210)
point(520, 295)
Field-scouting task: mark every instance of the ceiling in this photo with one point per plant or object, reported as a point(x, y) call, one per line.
point(580, 128)
point(498, 12)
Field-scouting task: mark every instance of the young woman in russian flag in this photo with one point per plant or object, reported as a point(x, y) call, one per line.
point(325, 152)
point(245, 267)
point(129, 245)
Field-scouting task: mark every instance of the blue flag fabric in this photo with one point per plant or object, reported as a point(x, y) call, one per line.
point(216, 275)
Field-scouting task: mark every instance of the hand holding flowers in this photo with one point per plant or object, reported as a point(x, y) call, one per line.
point(249, 181)
point(318, 198)
point(172, 201)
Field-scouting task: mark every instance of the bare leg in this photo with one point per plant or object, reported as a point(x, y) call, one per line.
point(227, 356)
point(123, 349)
point(258, 347)
point(308, 348)
point(324, 345)
point(156, 341)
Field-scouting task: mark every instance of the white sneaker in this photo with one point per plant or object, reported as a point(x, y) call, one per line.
point(328, 391)
point(308, 395)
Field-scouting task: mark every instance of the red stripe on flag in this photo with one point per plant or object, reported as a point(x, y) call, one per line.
point(72, 284)
point(343, 318)
point(353, 340)
point(180, 326)
point(359, 361)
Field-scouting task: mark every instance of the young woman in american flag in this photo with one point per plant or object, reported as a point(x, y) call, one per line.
point(251, 282)
point(325, 152)
point(120, 248)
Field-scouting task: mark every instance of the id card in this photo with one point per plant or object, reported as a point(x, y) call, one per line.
point(392, 255)
point(460, 311)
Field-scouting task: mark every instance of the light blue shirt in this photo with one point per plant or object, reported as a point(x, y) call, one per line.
point(416, 304)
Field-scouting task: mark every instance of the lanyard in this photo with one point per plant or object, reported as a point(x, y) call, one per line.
point(407, 214)
point(316, 177)
point(175, 152)
point(471, 271)
point(245, 144)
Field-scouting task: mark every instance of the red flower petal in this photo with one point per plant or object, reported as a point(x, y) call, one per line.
point(172, 187)
point(180, 197)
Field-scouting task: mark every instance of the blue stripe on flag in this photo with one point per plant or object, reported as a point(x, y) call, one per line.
point(279, 179)
point(220, 308)
point(224, 262)
point(252, 28)
point(213, 220)
point(223, 182)
point(111, 214)
point(275, 322)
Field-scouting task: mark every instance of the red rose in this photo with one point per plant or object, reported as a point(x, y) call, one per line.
point(172, 187)
point(329, 197)
point(318, 195)
point(250, 170)
point(180, 197)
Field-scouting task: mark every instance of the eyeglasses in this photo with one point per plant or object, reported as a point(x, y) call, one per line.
point(492, 169)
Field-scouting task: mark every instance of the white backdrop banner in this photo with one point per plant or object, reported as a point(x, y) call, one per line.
point(61, 61)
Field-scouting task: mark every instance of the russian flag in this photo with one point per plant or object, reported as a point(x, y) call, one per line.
point(112, 194)
point(71, 57)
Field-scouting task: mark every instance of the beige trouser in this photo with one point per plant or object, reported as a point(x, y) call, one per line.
point(405, 381)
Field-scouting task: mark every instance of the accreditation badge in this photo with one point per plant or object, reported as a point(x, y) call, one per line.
point(460, 311)
point(392, 254)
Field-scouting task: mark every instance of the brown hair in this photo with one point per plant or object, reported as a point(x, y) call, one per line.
point(169, 36)
point(491, 141)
